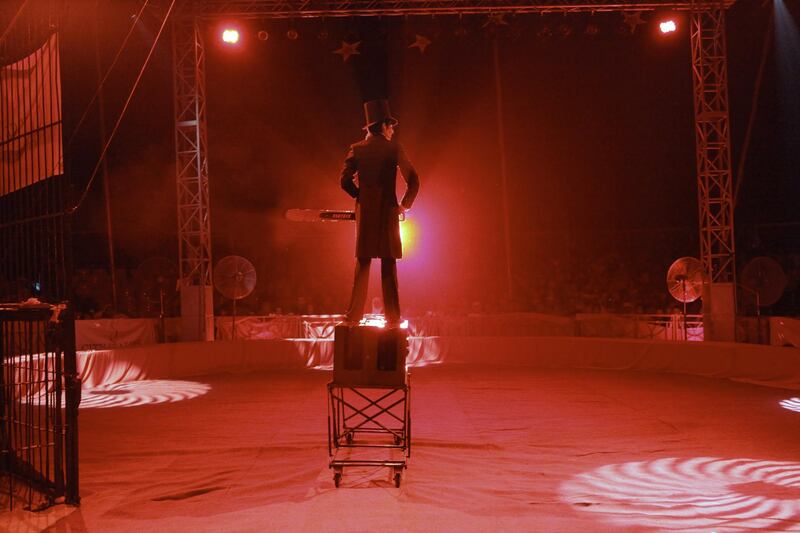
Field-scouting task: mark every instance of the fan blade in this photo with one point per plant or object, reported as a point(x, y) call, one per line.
point(235, 277)
point(685, 279)
point(765, 276)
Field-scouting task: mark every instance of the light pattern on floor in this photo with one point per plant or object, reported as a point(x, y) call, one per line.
point(145, 392)
point(792, 404)
point(691, 494)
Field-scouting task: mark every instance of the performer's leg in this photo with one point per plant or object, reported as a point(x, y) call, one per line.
point(360, 286)
point(391, 297)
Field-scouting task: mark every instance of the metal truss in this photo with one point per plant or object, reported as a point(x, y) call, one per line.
point(709, 64)
point(715, 192)
point(353, 8)
point(194, 220)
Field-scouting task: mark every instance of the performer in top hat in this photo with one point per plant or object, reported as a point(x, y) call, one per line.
point(375, 161)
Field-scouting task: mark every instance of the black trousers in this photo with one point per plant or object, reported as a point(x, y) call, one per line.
point(391, 297)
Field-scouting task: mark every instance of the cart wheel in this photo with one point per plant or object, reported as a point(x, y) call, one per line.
point(337, 478)
point(397, 478)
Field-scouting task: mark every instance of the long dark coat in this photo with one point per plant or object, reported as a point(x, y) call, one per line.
point(375, 161)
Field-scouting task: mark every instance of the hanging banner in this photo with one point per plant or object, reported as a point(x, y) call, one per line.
point(30, 123)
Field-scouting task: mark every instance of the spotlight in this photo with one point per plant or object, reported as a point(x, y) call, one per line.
point(263, 35)
point(230, 36)
point(668, 26)
point(408, 235)
point(292, 34)
point(378, 321)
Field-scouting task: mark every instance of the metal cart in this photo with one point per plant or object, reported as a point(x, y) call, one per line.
point(369, 401)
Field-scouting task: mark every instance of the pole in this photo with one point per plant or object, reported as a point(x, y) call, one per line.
point(106, 192)
point(501, 141)
point(233, 321)
point(685, 332)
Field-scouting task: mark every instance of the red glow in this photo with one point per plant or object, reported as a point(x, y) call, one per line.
point(668, 26)
point(230, 35)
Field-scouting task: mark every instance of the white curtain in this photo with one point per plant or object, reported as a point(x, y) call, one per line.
point(30, 127)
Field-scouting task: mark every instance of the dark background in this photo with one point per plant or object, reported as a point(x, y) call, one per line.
point(599, 135)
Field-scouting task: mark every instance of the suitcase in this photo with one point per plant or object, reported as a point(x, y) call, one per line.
point(368, 356)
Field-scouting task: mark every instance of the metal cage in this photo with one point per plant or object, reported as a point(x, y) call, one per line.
point(39, 397)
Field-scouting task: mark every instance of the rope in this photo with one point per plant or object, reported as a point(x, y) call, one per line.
point(122, 113)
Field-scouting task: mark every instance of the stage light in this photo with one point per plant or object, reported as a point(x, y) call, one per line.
point(230, 36)
point(263, 35)
point(668, 26)
point(378, 321)
point(408, 235)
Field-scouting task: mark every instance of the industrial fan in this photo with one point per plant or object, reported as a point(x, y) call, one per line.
point(235, 278)
point(685, 279)
point(766, 279)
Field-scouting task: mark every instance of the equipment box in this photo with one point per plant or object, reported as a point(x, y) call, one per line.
point(366, 356)
point(369, 401)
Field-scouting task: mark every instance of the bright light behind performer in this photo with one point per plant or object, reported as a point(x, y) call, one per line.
point(408, 235)
point(374, 161)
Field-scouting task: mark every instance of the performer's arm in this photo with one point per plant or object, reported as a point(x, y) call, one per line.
point(348, 179)
point(411, 177)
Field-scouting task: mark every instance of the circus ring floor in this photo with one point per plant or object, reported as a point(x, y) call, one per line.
point(496, 447)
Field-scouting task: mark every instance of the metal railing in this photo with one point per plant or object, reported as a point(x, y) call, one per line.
point(672, 327)
point(39, 398)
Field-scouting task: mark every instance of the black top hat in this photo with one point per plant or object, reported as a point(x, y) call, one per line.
point(378, 111)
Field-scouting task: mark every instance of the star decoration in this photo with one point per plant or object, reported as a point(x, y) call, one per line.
point(516, 31)
point(565, 30)
point(496, 19)
point(348, 49)
point(420, 42)
point(544, 33)
point(633, 19)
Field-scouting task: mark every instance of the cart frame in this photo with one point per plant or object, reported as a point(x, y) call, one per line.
point(372, 412)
